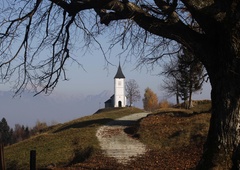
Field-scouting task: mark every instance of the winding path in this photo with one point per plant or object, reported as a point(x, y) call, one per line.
point(116, 143)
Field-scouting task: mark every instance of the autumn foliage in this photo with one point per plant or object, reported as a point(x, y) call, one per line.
point(150, 100)
point(164, 104)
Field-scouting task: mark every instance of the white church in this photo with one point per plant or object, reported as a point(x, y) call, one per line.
point(118, 99)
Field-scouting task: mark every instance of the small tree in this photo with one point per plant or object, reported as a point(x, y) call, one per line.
point(132, 91)
point(184, 76)
point(191, 75)
point(5, 132)
point(150, 100)
point(171, 86)
point(164, 104)
point(38, 128)
point(18, 134)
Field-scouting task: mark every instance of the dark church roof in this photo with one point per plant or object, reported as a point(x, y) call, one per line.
point(119, 73)
point(110, 100)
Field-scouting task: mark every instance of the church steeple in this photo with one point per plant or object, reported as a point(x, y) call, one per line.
point(119, 89)
point(118, 99)
point(119, 73)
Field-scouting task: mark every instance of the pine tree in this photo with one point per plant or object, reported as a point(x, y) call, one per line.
point(184, 76)
point(191, 76)
point(5, 132)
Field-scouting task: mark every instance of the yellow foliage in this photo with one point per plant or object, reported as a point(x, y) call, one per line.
point(150, 101)
point(164, 104)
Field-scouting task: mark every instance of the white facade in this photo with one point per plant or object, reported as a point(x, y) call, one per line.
point(119, 92)
point(119, 89)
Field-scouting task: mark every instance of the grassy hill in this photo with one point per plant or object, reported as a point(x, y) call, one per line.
point(174, 137)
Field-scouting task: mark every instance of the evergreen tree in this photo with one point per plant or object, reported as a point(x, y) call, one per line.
point(5, 132)
point(191, 76)
point(184, 76)
point(26, 133)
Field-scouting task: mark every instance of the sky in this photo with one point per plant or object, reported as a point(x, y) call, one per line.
point(91, 81)
point(94, 78)
point(97, 77)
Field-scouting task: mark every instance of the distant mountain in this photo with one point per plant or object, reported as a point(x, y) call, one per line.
point(26, 110)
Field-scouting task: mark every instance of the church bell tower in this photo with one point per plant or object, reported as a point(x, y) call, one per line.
point(119, 89)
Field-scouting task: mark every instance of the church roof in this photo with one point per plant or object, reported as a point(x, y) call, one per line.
point(110, 99)
point(119, 73)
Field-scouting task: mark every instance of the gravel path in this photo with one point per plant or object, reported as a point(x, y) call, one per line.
point(116, 143)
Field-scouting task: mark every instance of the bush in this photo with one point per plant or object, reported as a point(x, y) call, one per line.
point(164, 104)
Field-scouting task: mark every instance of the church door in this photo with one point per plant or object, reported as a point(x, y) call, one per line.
point(119, 104)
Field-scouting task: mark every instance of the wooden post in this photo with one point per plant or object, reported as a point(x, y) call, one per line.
point(33, 160)
point(2, 163)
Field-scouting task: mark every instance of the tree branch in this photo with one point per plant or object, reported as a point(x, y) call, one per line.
point(113, 10)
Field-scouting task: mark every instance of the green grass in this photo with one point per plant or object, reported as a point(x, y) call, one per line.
point(63, 144)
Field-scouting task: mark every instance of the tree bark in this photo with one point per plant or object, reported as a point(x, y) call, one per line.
point(177, 99)
point(221, 150)
point(190, 97)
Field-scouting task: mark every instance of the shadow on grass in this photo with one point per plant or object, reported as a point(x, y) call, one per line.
point(12, 165)
point(122, 123)
point(178, 113)
point(84, 124)
point(80, 155)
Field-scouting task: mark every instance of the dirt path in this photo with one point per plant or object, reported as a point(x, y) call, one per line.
point(116, 143)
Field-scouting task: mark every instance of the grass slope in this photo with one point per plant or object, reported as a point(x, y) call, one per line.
point(174, 137)
point(64, 144)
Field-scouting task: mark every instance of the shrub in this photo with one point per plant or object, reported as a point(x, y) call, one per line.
point(164, 104)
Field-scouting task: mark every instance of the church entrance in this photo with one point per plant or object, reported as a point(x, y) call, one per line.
point(119, 104)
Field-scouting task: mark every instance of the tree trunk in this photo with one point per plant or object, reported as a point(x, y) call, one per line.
point(190, 98)
point(221, 150)
point(177, 99)
point(177, 96)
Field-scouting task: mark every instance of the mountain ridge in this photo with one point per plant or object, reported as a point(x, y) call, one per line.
point(27, 110)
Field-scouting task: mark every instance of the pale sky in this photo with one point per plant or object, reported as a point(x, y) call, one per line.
point(95, 77)
point(91, 81)
point(98, 77)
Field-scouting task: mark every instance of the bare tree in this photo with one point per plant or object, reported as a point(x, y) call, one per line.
point(170, 85)
point(149, 30)
point(184, 76)
point(132, 91)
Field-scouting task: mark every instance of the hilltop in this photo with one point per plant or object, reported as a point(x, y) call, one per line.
point(174, 138)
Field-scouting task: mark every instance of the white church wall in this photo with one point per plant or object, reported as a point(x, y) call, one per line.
point(119, 91)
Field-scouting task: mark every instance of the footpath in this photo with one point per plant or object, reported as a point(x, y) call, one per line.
point(116, 143)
